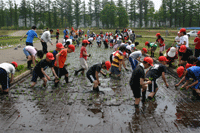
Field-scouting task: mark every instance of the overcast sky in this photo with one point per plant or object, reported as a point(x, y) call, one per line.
point(157, 3)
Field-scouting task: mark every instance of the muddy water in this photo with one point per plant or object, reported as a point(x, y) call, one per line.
point(72, 108)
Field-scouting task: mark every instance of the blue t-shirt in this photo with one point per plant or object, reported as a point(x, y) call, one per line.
point(54, 54)
point(193, 72)
point(31, 34)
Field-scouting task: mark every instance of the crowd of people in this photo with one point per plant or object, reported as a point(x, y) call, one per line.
point(124, 49)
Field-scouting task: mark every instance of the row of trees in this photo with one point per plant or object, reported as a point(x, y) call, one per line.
point(109, 14)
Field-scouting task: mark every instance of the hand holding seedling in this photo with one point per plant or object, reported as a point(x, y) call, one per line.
point(187, 87)
point(89, 55)
point(99, 84)
point(167, 85)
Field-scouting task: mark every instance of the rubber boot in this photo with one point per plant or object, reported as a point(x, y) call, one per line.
point(143, 96)
point(76, 72)
point(66, 79)
point(29, 64)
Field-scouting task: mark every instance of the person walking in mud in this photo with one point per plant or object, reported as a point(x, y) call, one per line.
point(5, 70)
point(92, 74)
point(59, 67)
point(137, 80)
point(83, 58)
point(30, 36)
point(39, 70)
point(153, 74)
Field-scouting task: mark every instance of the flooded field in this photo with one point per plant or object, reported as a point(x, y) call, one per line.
point(72, 108)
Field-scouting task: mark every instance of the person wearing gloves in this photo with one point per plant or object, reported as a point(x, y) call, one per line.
point(83, 58)
point(135, 57)
point(46, 37)
point(5, 70)
point(172, 55)
point(92, 73)
point(31, 53)
point(137, 80)
point(153, 74)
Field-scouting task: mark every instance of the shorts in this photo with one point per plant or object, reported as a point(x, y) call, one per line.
point(29, 44)
point(197, 52)
point(153, 86)
point(133, 62)
point(26, 52)
point(162, 48)
point(197, 86)
point(36, 75)
point(92, 78)
point(60, 71)
point(4, 79)
point(111, 58)
point(115, 70)
point(153, 48)
point(83, 63)
point(111, 44)
point(136, 91)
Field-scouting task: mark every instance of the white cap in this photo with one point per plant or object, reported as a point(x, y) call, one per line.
point(128, 47)
point(172, 52)
point(130, 41)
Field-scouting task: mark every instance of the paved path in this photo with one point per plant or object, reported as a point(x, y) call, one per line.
point(9, 55)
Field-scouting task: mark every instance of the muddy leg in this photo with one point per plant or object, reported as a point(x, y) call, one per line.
point(45, 81)
point(33, 84)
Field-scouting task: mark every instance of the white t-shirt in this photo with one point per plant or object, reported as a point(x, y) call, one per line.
point(31, 50)
point(46, 36)
point(90, 39)
point(187, 41)
point(70, 40)
point(8, 67)
point(136, 54)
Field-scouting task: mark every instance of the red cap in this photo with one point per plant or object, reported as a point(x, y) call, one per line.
point(57, 29)
point(67, 36)
point(101, 35)
point(85, 35)
point(149, 60)
point(182, 48)
point(146, 43)
point(180, 71)
point(106, 34)
point(108, 65)
point(72, 47)
point(59, 45)
point(94, 38)
point(106, 40)
point(145, 50)
point(198, 32)
point(72, 29)
point(97, 35)
point(85, 41)
point(189, 65)
point(162, 58)
point(125, 38)
point(158, 34)
point(14, 63)
point(50, 56)
point(182, 30)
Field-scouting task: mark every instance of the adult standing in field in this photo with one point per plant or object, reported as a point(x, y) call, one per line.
point(197, 44)
point(132, 37)
point(161, 42)
point(46, 37)
point(66, 32)
point(30, 36)
point(5, 70)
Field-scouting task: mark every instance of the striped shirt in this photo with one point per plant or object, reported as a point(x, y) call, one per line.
point(117, 58)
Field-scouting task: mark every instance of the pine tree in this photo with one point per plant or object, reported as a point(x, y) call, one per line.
point(77, 12)
point(23, 11)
